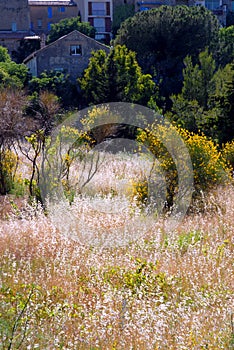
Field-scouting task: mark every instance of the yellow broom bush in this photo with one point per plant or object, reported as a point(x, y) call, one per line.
point(209, 166)
point(8, 165)
point(228, 153)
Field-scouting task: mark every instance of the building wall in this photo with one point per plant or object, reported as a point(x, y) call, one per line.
point(10, 43)
point(147, 5)
point(14, 15)
point(45, 13)
point(100, 18)
point(32, 66)
point(57, 56)
point(14, 23)
point(123, 2)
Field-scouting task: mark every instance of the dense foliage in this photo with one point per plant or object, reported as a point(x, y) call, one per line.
point(12, 75)
point(116, 77)
point(225, 52)
point(104, 269)
point(190, 78)
point(120, 14)
point(67, 25)
point(163, 37)
point(59, 84)
point(25, 49)
point(206, 99)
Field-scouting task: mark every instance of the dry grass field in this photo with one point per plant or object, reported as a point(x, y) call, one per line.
point(95, 277)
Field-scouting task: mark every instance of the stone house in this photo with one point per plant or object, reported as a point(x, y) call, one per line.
point(14, 16)
point(98, 13)
point(25, 18)
point(69, 54)
point(47, 12)
point(14, 23)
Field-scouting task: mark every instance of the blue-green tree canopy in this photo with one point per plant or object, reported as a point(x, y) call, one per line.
point(164, 36)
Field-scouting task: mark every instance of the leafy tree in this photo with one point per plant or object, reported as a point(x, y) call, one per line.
point(94, 83)
point(197, 78)
point(226, 46)
point(163, 37)
point(221, 101)
point(67, 25)
point(16, 74)
point(116, 77)
point(120, 14)
point(12, 75)
point(187, 114)
point(4, 56)
point(59, 84)
point(206, 101)
point(189, 106)
point(25, 48)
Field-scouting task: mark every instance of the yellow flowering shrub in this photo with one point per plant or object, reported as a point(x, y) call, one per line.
point(152, 139)
point(140, 192)
point(228, 153)
point(8, 165)
point(209, 167)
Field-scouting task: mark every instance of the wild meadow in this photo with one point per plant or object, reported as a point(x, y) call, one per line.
point(102, 273)
point(128, 251)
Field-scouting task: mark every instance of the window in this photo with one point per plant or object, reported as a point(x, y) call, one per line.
point(49, 25)
point(99, 8)
point(39, 23)
point(212, 4)
point(59, 69)
point(232, 9)
point(50, 14)
point(144, 8)
point(61, 9)
point(99, 24)
point(100, 37)
point(75, 50)
point(13, 26)
point(199, 2)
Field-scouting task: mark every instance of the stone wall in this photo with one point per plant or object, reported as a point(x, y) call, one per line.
point(42, 18)
point(57, 56)
point(14, 15)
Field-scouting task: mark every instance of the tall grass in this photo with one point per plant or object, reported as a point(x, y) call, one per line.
point(67, 282)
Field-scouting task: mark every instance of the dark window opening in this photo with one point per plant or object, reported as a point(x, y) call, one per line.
point(75, 50)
